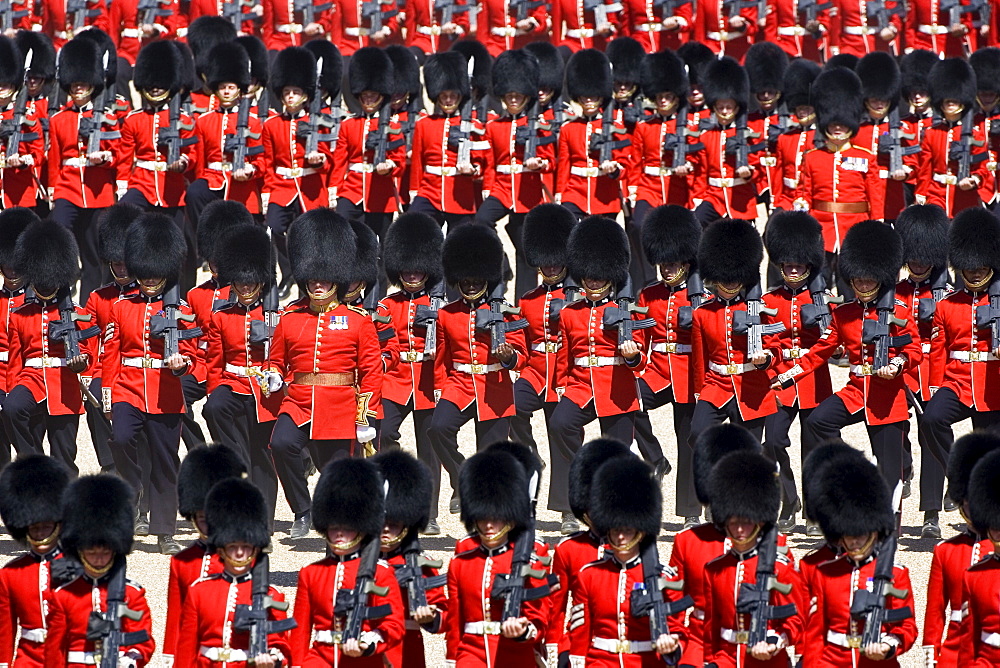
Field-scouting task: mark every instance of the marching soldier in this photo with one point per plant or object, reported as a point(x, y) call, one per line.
point(139, 28)
point(765, 65)
point(655, 27)
point(281, 26)
point(728, 29)
point(799, 137)
point(431, 27)
point(625, 55)
point(12, 293)
point(930, 27)
point(203, 35)
point(857, 31)
point(18, 180)
point(986, 66)
point(63, 23)
point(576, 27)
point(914, 69)
point(407, 105)
point(977, 645)
point(801, 33)
point(352, 28)
point(501, 26)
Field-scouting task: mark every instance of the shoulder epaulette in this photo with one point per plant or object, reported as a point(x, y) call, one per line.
point(862, 148)
point(358, 309)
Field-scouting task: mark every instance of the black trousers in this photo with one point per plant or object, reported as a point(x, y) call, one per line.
point(198, 196)
point(525, 276)
point(936, 436)
point(288, 444)
point(191, 432)
point(100, 429)
point(5, 440)
point(526, 403)
point(163, 434)
point(777, 441)
point(30, 422)
point(83, 224)
point(446, 420)
point(705, 416)
point(642, 272)
point(232, 421)
point(393, 416)
point(188, 227)
point(379, 224)
point(886, 440)
point(652, 452)
point(423, 205)
point(278, 219)
point(566, 436)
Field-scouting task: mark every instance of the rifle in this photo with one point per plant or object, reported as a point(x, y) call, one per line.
point(370, 304)
point(91, 128)
point(527, 134)
point(170, 136)
point(677, 142)
point(448, 9)
point(696, 295)
point(738, 145)
point(668, 8)
point(372, 11)
point(253, 618)
point(462, 135)
point(317, 118)
point(426, 316)
point(493, 321)
point(748, 322)
point(406, 127)
point(620, 315)
point(410, 574)
point(988, 315)
point(308, 10)
point(571, 293)
point(379, 141)
point(261, 331)
point(870, 605)
point(604, 141)
point(647, 599)
point(9, 16)
point(810, 10)
point(167, 326)
point(877, 331)
point(961, 150)
point(105, 628)
point(983, 10)
point(149, 10)
point(601, 10)
point(354, 602)
point(233, 11)
point(64, 329)
point(12, 129)
point(80, 12)
point(755, 599)
point(236, 143)
point(879, 10)
point(522, 8)
point(818, 313)
point(939, 288)
point(891, 142)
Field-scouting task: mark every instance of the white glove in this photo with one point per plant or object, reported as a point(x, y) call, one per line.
point(274, 381)
point(365, 433)
point(127, 660)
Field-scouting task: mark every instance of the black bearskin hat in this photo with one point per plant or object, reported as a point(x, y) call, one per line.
point(766, 64)
point(493, 484)
point(797, 83)
point(551, 66)
point(244, 254)
point(986, 65)
point(105, 47)
point(731, 252)
point(848, 61)
point(836, 94)
point(97, 510)
point(322, 246)
point(516, 71)
point(13, 222)
point(872, 250)
point(158, 65)
point(624, 493)
point(914, 70)
point(205, 32)
point(235, 512)
point(365, 267)
point(697, 57)
point(80, 61)
point(585, 463)
point(663, 72)
point(952, 79)
point(31, 489)
point(924, 230)
point(446, 71)
point(598, 248)
point(202, 468)
point(413, 243)
point(482, 65)
point(830, 453)
point(154, 248)
point(671, 233)
point(11, 63)
point(984, 493)
point(794, 237)
point(965, 454)
point(259, 65)
point(215, 218)
point(472, 251)
point(974, 240)
point(43, 53)
point(745, 485)
point(408, 500)
point(112, 225)
point(726, 79)
point(191, 80)
point(228, 62)
point(545, 234)
point(350, 493)
point(46, 255)
point(331, 76)
point(294, 66)
point(711, 446)
point(405, 71)
point(525, 455)
point(371, 69)
point(588, 74)
point(880, 77)
point(852, 499)
point(625, 54)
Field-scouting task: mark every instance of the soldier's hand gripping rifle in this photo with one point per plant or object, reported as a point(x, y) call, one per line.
point(238, 11)
point(427, 316)
point(462, 135)
point(9, 17)
point(882, 14)
point(604, 142)
point(170, 136)
point(262, 332)
point(527, 134)
point(410, 575)
point(307, 9)
point(151, 10)
point(79, 15)
point(353, 603)
point(810, 10)
point(104, 629)
point(448, 9)
point(619, 316)
point(236, 143)
point(988, 315)
point(961, 150)
point(93, 128)
point(493, 319)
point(664, 9)
point(755, 599)
point(379, 141)
point(877, 331)
point(678, 141)
point(522, 8)
point(939, 289)
point(647, 600)
point(372, 10)
point(601, 11)
point(892, 142)
point(65, 331)
point(696, 295)
point(317, 118)
point(167, 326)
point(817, 314)
point(869, 605)
point(739, 146)
point(13, 129)
point(748, 322)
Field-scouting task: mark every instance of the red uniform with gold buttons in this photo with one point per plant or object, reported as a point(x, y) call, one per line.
point(644, 22)
point(497, 26)
point(668, 342)
point(433, 159)
point(957, 332)
point(423, 25)
point(410, 653)
point(570, 555)
point(60, 25)
point(545, 363)
point(910, 293)
point(693, 549)
point(937, 175)
point(287, 177)
point(214, 164)
point(579, 180)
point(187, 566)
point(129, 37)
point(929, 28)
point(353, 174)
point(764, 129)
point(714, 182)
point(812, 635)
point(790, 153)
point(9, 301)
point(17, 184)
point(24, 585)
point(786, 28)
point(652, 162)
point(350, 30)
point(712, 28)
point(855, 32)
point(505, 178)
point(281, 26)
point(143, 158)
point(415, 377)
point(70, 177)
point(977, 639)
point(794, 342)
point(575, 27)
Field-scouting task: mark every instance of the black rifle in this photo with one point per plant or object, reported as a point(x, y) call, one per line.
point(619, 316)
point(317, 118)
point(448, 9)
point(79, 13)
point(170, 136)
point(877, 331)
point(939, 288)
point(370, 304)
point(870, 605)
point(571, 293)
point(461, 136)
point(307, 10)
point(739, 145)
point(492, 319)
point(755, 599)
point(9, 16)
point(988, 315)
point(522, 8)
point(892, 143)
point(810, 10)
point(410, 574)
point(13, 129)
point(238, 11)
point(376, 16)
point(879, 11)
point(667, 8)
point(412, 113)
point(961, 150)
point(817, 314)
point(253, 618)
point(379, 141)
point(236, 143)
point(647, 600)
point(983, 9)
point(426, 317)
point(527, 134)
point(353, 603)
point(604, 142)
point(167, 326)
point(601, 10)
point(677, 142)
point(64, 329)
point(262, 331)
point(748, 322)
point(696, 295)
point(104, 629)
point(150, 10)
point(93, 128)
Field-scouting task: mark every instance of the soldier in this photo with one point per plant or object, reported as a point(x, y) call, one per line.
point(281, 26)
point(18, 183)
point(858, 31)
point(139, 26)
point(407, 105)
point(986, 66)
point(236, 517)
point(502, 27)
point(12, 293)
point(96, 539)
point(801, 33)
point(431, 27)
point(352, 27)
point(657, 28)
point(38, 80)
point(625, 55)
point(576, 27)
point(248, 22)
point(141, 390)
point(63, 24)
point(30, 505)
point(203, 35)
point(726, 28)
point(349, 514)
point(914, 69)
point(799, 137)
point(765, 65)
point(201, 469)
point(929, 26)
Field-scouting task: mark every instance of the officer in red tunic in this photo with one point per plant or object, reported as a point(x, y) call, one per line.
point(17, 178)
point(201, 469)
point(96, 540)
point(855, 511)
point(215, 630)
point(946, 608)
point(914, 68)
point(12, 292)
point(30, 505)
point(142, 379)
point(406, 515)
point(800, 135)
point(350, 515)
point(986, 66)
point(140, 25)
point(658, 27)
point(598, 367)
point(325, 356)
point(611, 632)
point(495, 488)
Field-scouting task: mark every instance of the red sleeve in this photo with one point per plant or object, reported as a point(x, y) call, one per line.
point(276, 356)
point(125, 152)
point(968, 630)
point(906, 630)
point(188, 643)
point(136, 599)
point(416, 155)
point(56, 641)
point(214, 356)
point(14, 361)
point(490, 161)
point(925, 166)
point(189, 347)
point(338, 166)
point(820, 351)
point(302, 633)
point(699, 353)
point(369, 365)
point(111, 362)
point(803, 190)
point(174, 603)
point(7, 629)
point(934, 614)
point(579, 638)
point(280, 641)
point(563, 162)
point(389, 348)
point(558, 600)
point(912, 351)
point(874, 187)
point(793, 626)
point(938, 361)
point(391, 627)
point(453, 620)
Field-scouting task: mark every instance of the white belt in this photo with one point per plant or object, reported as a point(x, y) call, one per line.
point(858, 30)
point(946, 179)
point(546, 347)
point(75, 162)
point(648, 27)
point(509, 169)
point(411, 356)
point(577, 33)
point(142, 362)
point(151, 165)
point(362, 167)
point(357, 32)
point(991, 639)
point(622, 646)
point(862, 369)
point(589, 172)
point(483, 628)
point(327, 637)
point(731, 369)
point(476, 369)
point(436, 170)
point(790, 183)
point(737, 637)
point(658, 171)
point(595, 360)
point(243, 371)
point(724, 36)
point(44, 362)
point(883, 173)
point(509, 31)
point(220, 166)
point(664, 347)
point(933, 30)
point(925, 348)
point(843, 640)
point(223, 654)
point(727, 182)
point(972, 356)
point(87, 658)
point(293, 172)
point(33, 635)
point(290, 28)
point(429, 30)
point(134, 33)
point(4, 356)
point(956, 616)
point(793, 353)
point(792, 31)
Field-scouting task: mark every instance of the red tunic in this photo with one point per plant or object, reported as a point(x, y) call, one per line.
point(794, 342)
point(573, 26)
point(651, 168)
point(286, 174)
point(282, 27)
point(937, 176)
point(423, 25)
point(693, 549)
point(203, 299)
point(24, 586)
point(505, 178)
point(215, 165)
point(643, 22)
point(89, 187)
point(128, 38)
point(410, 652)
point(8, 302)
point(786, 28)
point(29, 20)
point(918, 376)
point(974, 383)
point(188, 565)
point(432, 164)
point(979, 590)
point(350, 30)
point(99, 306)
point(855, 33)
point(496, 26)
point(415, 377)
point(893, 198)
point(544, 341)
point(578, 168)
point(714, 179)
point(927, 27)
point(18, 183)
point(765, 159)
point(570, 555)
point(144, 159)
point(353, 173)
point(668, 344)
point(813, 636)
point(59, 25)
point(199, 8)
point(791, 150)
point(712, 28)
